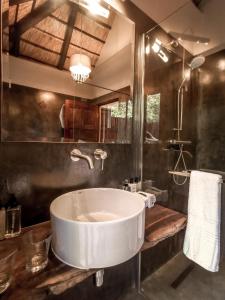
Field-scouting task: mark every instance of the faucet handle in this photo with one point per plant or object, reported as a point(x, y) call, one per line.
point(74, 154)
point(100, 154)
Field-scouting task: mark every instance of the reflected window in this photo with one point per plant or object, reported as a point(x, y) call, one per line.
point(116, 121)
point(121, 109)
point(152, 117)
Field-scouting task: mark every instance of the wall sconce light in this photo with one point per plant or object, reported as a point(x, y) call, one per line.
point(147, 49)
point(163, 56)
point(156, 46)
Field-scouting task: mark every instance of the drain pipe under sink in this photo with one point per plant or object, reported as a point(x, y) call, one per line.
point(99, 275)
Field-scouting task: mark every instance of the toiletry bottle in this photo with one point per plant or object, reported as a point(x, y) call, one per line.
point(138, 183)
point(126, 185)
point(2, 222)
point(132, 185)
point(13, 217)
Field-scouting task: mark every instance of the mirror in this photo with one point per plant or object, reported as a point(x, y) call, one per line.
point(49, 96)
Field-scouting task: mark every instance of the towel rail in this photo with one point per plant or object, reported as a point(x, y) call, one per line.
point(188, 173)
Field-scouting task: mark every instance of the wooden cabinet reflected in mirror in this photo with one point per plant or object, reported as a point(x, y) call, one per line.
point(79, 121)
point(41, 100)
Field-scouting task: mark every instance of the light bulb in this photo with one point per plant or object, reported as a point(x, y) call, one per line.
point(156, 46)
point(163, 56)
point(147, 49)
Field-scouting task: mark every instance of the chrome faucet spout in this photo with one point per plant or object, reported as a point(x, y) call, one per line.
point(76, 155)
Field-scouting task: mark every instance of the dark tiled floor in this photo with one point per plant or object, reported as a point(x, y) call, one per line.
point(198, 285)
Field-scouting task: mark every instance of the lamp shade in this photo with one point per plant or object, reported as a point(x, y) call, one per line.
point(80, 67)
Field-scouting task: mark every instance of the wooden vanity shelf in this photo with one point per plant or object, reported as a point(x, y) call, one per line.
point(55, 279)
point(161, 223)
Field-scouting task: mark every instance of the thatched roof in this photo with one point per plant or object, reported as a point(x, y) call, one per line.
point(50, 31)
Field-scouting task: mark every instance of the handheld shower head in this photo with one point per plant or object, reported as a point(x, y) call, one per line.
point(194, 64)
point(197, 62)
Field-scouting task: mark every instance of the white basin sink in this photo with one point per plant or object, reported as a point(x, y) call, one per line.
point(97, 228)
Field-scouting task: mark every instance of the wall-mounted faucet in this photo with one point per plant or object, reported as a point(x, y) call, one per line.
point(100, 154)
point(76, 155)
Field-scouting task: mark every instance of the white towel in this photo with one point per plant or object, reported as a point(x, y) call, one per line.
point(202, 238)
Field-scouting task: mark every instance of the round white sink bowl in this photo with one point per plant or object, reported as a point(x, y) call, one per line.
point(97, 228)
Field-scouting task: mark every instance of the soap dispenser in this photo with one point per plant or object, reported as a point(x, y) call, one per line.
point(13, 217)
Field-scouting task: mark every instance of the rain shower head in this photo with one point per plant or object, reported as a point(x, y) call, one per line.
point(197, 62)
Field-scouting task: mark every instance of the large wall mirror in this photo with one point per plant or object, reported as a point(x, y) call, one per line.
point(67, 73)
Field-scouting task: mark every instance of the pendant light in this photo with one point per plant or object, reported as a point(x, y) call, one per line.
point(80, 64)
point(80, 67)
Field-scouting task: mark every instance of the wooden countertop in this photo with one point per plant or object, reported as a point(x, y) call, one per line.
point(160, 223)
point(54, 279)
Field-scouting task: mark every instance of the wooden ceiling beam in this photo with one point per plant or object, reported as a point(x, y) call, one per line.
point(39, 46)
point(30, 20)
point(33, 5)
point(16, 2)
point(68, 36)
point(5, 19)
point(82, 10)
point(197, 3)
point(60, 39)
point(82, 48)
point(44, 48)
point(78, 29)
point(38, 15)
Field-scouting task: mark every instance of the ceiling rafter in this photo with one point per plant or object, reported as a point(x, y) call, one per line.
point(16, 2)
point(197, 2)
point(33, 5)
point(60, 39)
point(80, 9)
point(30, 20)
point(42, 48)
point(68, 35)
point(78, 29)
point(16, 14)
point(39, 46)
point(5, 21)
point(46, 10)
point(49, 50)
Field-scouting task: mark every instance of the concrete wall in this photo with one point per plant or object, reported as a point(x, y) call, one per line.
point(210, 153)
